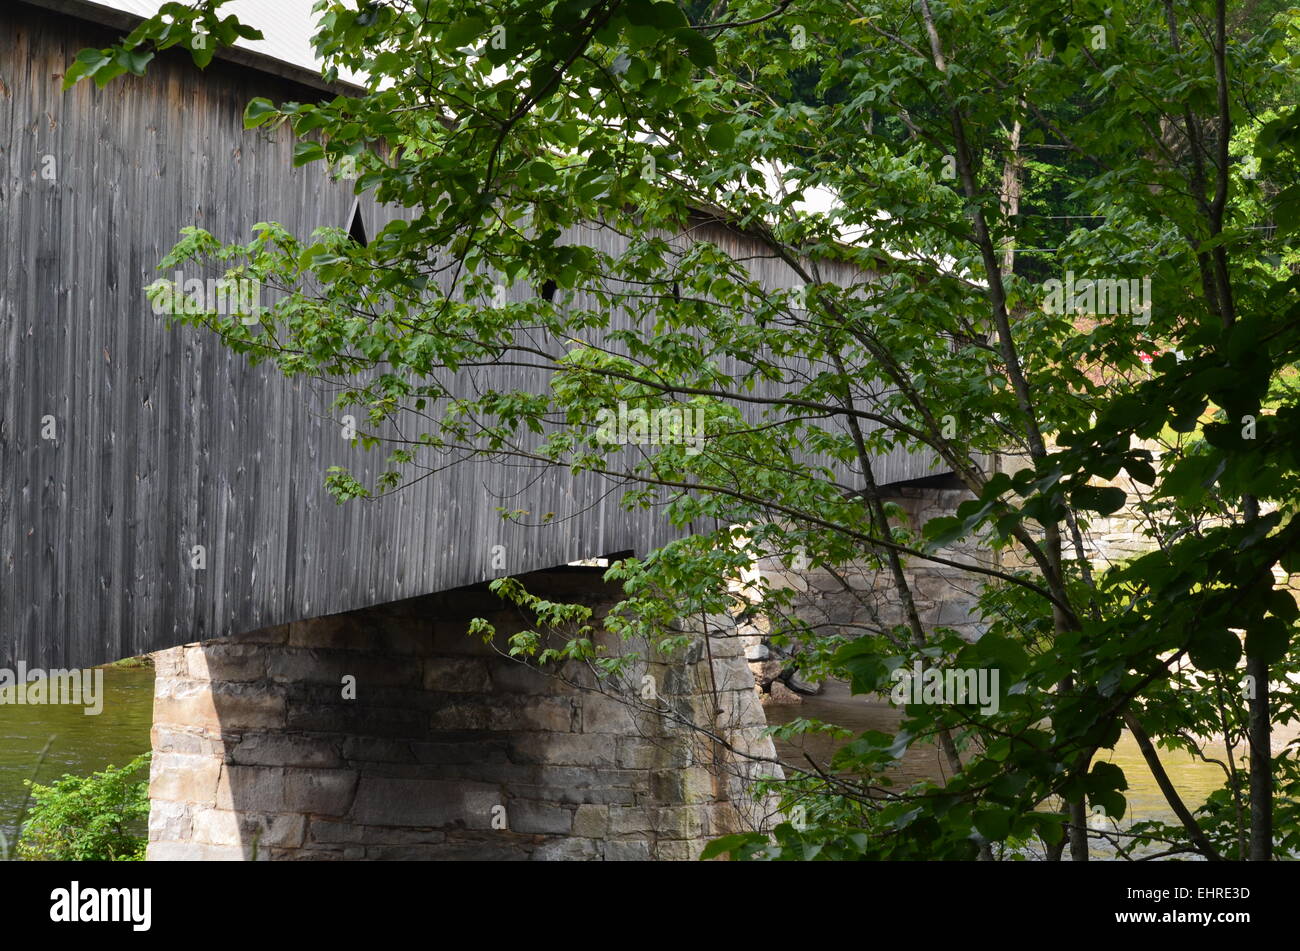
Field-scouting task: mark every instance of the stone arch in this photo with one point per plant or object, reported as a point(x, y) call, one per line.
point(448, 749)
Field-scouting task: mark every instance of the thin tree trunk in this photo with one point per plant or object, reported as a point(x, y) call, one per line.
point(1144, 743)
point(871, 492)
point(1011, 186)
point(1062, 622)
point(1175, 801)
point(1261, 764)
point(1234, 775)
point(1261, 745)
point(1076, 809)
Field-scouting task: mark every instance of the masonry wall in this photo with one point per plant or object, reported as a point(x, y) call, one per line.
point(450, 749)
point(862, 599)
point(943, 595)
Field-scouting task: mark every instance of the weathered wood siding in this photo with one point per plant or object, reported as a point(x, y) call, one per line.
point(165, 440)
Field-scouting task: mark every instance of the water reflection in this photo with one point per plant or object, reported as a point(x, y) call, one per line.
point(81, 744)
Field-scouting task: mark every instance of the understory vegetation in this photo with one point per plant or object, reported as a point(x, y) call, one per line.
point(95, 818)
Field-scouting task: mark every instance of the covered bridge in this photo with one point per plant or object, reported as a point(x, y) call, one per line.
point(124, 445)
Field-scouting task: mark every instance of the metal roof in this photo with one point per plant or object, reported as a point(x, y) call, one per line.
point(287, 27)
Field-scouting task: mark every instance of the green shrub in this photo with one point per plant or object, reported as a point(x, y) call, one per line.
point(96, 818)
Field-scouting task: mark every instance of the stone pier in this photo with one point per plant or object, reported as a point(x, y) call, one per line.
point(390, 733)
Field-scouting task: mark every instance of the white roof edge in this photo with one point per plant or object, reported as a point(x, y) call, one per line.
point(287, 27)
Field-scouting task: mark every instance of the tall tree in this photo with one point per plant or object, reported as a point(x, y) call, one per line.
point(499, 128)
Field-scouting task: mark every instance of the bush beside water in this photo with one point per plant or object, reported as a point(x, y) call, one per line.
point(95, 818)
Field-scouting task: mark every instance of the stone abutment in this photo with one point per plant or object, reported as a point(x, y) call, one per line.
point(390, 733)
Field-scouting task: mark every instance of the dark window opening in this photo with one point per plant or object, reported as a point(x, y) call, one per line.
point(356, 226)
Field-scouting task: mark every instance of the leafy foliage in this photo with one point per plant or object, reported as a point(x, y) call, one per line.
point(96, 818)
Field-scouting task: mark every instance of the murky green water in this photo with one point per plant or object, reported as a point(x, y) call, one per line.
point(1193, 778)
point(79, 744)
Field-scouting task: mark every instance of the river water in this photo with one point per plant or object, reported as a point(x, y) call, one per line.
point(1193, 778)
point(78, 744)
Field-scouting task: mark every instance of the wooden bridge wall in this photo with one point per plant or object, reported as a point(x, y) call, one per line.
point(165, 439)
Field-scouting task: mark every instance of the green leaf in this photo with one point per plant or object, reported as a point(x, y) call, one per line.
point(137, 60)
point(993, 824)
point(720, 136)
point(108, 72)
point(1286, 210)
point(202, 55)
point(543, 172)
point(1268, 638)
point(1104, 775)
point(1111, 802)
point(1214, 648)
point(304, 152)
point(258, 111)
point(1002, 651)
point(699, 50)
point(944, 530)
point(667, 15)
point(1141, 471)
point(464, 31)
point(567, 133)
point(1102, 499)
point(1104, 784)
point(732, 843)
